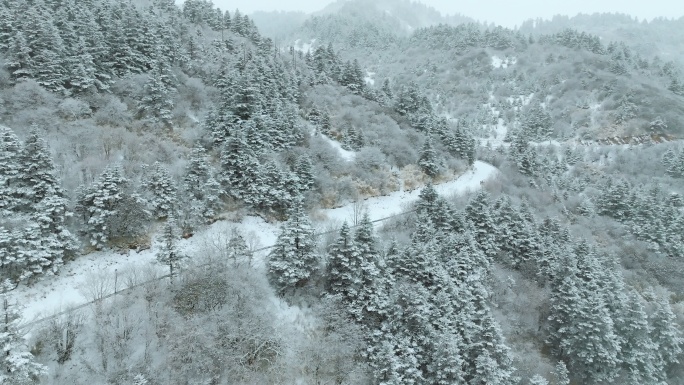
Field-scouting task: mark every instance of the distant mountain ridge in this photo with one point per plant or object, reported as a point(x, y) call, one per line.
point(378, 19)
point(410, 14)
point(662, 37)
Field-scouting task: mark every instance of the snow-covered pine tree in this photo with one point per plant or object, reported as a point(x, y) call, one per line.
point(9, 169)
point(240, 169)
point(238, 251)
point(447, 363)
point(352, 77)
point(536, 123)
point(666, 335)
point(200, 188)
point(387, 90)
point(676, 168)
point(486, 346)
point(163, 191)
point(560, 374)
point(479, 214)
point(304, 171)
point(140, 379)
point(19, 61)
point(99, 203)
point(409, 327)
point(428, 160)
point(581, 326)
point(273, 191)
point(56, 240)
point(7, 28)
point(638, 352)
point(7, 254)
point(167, 249)
point(17, 364)
point(488, 372)
point(37, 178)
point(157, 102)
point(410, 100)
point(246, 98)
point(342, 273)
point(80, 67)
point(293, 260)
point(46, 48)
point(370, 298)
point(614, 201)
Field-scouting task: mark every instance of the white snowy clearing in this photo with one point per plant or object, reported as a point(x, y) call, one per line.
point(107, 271)
point(344, 154)
point(304, 47)
point(498, 62)
point(369, 79)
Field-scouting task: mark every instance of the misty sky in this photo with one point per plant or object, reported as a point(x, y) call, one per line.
point(505, 12)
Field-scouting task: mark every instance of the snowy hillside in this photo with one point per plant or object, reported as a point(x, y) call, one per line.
point(72, 287)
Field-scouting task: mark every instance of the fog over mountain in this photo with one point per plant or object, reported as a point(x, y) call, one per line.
point(501, 12)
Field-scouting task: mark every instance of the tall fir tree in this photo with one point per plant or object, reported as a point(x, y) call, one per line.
point(167, 249)
point(10, 150)
point(428, 160)
point(37, 172)
point(342, 271)
point(99, 204)
point(666, 335)
point(17, 364)
point(370, 298)
point(293, 260)
point(157, 102)
point(638, 352)
point(163, 191)
point(201, 188)
point(479, 215)
point(240, 169)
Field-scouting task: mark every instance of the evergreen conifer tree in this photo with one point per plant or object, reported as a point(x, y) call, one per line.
point(293, 260)
point(479, 214)
point(342, 272)
point(428, 161)
point(157, 102)
point(36, 173)
point(200, 187)
point(17, 364)
point(561, 375)
point(370, 298)
point(638, 352)
point(100, 203)
point(240, 169)
point(666, 335)
point(167, 250)
point(9, 169)
point(163, 191)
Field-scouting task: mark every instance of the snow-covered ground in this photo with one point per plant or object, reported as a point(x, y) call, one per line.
point(370, 78)
point(94, 274)
point(101, 271)
point(498, 62)
point(396, 202)
point(345, 154)
point(304, 47)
